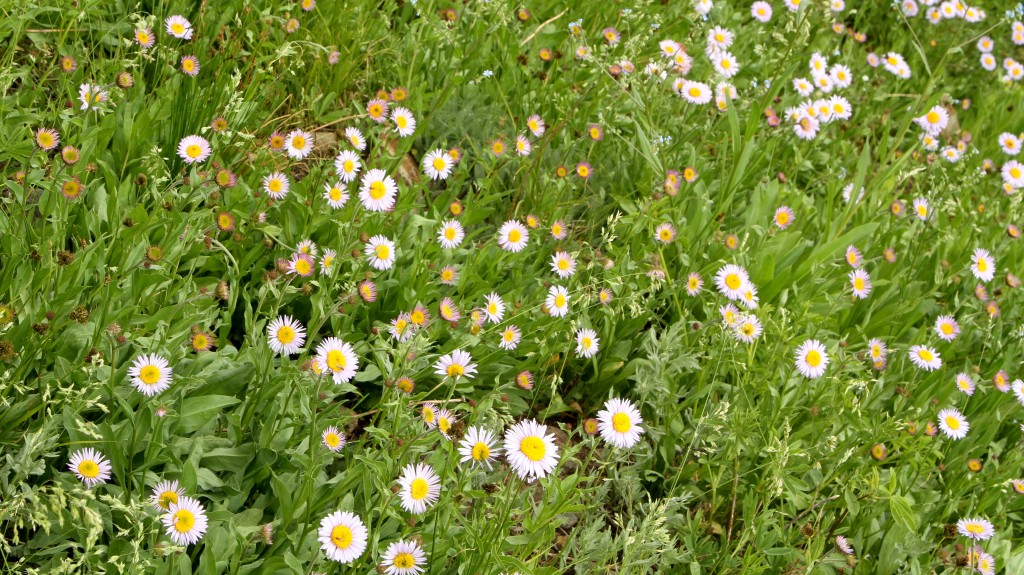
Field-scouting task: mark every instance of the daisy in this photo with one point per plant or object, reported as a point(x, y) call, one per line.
point(619, 423)
point(185, 521)
point(368, 291)
point(190, 65)
point(451, 234)
point(933, 121)
point(338, 358)
point(342, 536)
point(783, 217)
point(811, 359)
point(984, 265)
point(448, 311)
point(179, 27)
point(761, 11)
point(731, 281)
point(861, 283)
point(301, 265)
point(494, 309)
point(47, 138)
point(445, 421)
point(853, 257)
point(1009, 143)
point(419, 316)
point(403, 558)
point(377, 110)
point(333, 439)
point(530, 450)
point(664, 233)
point(144, 37)
point(946, 327)
point(405, 123)
point(91, 95)
point(877, 349)
point(285, 335)
point(748, 329)
point(1017, 386)
point(347, 165)
point(276, 185)
point(925, 358)
point(975, 528)
point(557, 301)
point(921, 208)
point(150, 374)
point(419, 487)
point(164, 494)
point(730, 315)
point(401, 328)
point(965, 383)
point(90, 467)
point(587, 343)
point(449, 275)
point(377, 191)
point(355, 138)
point(748, 297)
point(558, 230)
point(454, 365)
point(437, 165)
point(563, 264)
point(694, 284)
point(478, 447)
point(843, 545)
point(536, 125)
point(336, 195)
point(695, 92)
point(512, 236)
point(510, 338)
point(725, 64)
point(380, 252)
point(984, 563)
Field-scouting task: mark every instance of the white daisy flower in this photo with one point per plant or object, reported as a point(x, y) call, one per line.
point(695, 92)
point(494, 309)
point(933, 121)
point(563, 264)
point(380, 252)
point(437, 165)
point(419, 487)
point(298, 144)
point(530, 450)
point(983, 265)
point(403, 558)
point(164, 494)
point(921, 208)
point(510, 338)
point(276, 185)
point(811, 359)
point(451, 234)
point(619, 423)
point(285, 335)
point(342, 536)
point(946, 327)
point(557, 301)
point(478, 447)
point(193, 149)
point(179, 27)
point(748, 329)
point(355, 138)
point(587, 343)
point(512, 236)
point(405, 123)
point(333, 439)
point(336, 195)
point(965, 383)
point(377, 191)
point(338, 358)
point(90, 95)
point(976, 528)
point(454, 365)
point(150, 374)
point(925, 358)
point(730, 280)
point(90, 467)
point(536, 125)
point(185, 521)
point(860, 282)
point(347, 164)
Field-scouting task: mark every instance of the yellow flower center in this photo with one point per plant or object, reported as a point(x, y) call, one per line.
point(166, 498)
point(455, 370)
point(563, 264)
point(377, 190)
point(1015, 172)
point(376, 110)
point(533, 448)
point(694, 92)
point(481, 451)
point(298, 142)
point(946, 328)
point(285, 334)
point(200, 341)
point(71, 189)
point(188, 65)
point(332, 440)
point(404, 561)
point(149, 374)
point(444, 424)
point(439, 163)
point(447, 275)
point(665, 235)
point(419, 488)
point(401, 121)
point(348, 166)
point(89, 469)
point(302, 266)
point(449, 234)
point(982, 265)
point(514, 236)
point(621, 422)
point(417, 317)
point(178, 28)
point(335, 194)
point(782, 218)
point(498, 147)
point(583, 171)
point(559, 300)
point(747, 329)
point(595, 133)
point(925, 355)
point(932, 117)
point(336, 360)
point(922, 211)
point(193, 151)
point(45, 139)
point(341, 536)
point(556, 230)
point(858, 284)
point(692, 283)
point(586, 343)
point(813, 358)
point(733, 281)
point(382, 252)
point(274, 185)
point(509, 335)
point(184, 520)
point(532, 124)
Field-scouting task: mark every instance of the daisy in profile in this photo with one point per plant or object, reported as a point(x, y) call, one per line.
point(419, 487)
point(536, 125)
point(563, 264)
point(90, 95)
point(494, 308)
point(925, 358)
point(965, 383)
point(276, 185)
point(854, 257)
point(367, 291)
point(380, 252)
point(455, 365)
point(150, 374)
point(342, 536)
point(619, 423)
point(179, 27)
point(665, 233)
point(811, 359)
point(530, 450)
point(557, 301)
point(445, 421)
point(512, 236)
point(946, 327)
point(448, 310)
point(338, 358)
point(983, 265)
point(185, 521)
point(748, 329)
point(403, 558)
point(285, 335)
point(336, 195)
point(523, 146)
point(164, 494)
point(377, 191)
point(860, 282)
point(843, 545)
point(730, 280)
point(587, 343)
point(437, 165)
point(347, 164)
point(510, 338)
point(333, 439)
point(405, 123)
point(976, 528)
point(479, 447)
point(355, 138)
point(90, 467)
point(193, 149)
point(451, 234)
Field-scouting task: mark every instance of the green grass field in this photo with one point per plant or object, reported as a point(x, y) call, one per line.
point(558, 287)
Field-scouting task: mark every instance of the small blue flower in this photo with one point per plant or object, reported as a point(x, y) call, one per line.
point(488, 73)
